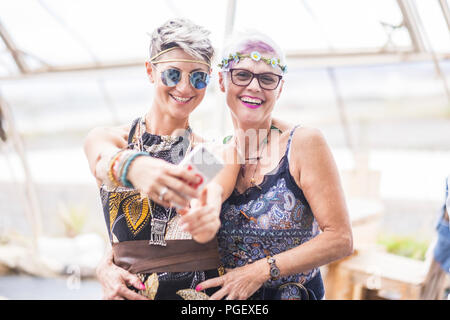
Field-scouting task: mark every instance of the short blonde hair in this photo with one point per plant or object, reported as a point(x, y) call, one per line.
point(182, 33)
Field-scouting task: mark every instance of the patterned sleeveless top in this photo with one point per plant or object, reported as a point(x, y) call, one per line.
point(278, 218)
point(128, 216)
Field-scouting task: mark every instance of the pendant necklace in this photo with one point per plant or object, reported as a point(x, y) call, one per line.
point(159, 224)
point(252, 180)
point(258, 158)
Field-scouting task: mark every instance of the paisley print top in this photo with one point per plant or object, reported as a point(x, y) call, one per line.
point(277, 218)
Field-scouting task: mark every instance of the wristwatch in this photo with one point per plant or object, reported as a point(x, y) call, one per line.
point(274, 270)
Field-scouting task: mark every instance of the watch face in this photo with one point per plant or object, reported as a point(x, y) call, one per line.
point(274, 272)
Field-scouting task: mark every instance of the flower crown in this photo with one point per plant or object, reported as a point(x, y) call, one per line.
point(256, 56)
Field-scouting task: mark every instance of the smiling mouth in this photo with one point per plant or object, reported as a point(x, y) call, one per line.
point(251, 102)
point(180, 99)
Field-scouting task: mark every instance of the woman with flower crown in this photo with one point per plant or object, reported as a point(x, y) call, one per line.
point(285, 214)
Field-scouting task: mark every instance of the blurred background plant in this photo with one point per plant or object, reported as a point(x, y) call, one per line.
point(404, 245)
point(73, 217)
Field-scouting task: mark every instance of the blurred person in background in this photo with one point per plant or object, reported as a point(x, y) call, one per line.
point(442, 249)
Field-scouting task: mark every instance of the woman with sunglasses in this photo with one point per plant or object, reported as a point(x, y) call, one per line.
point(286, 192)
point(140, 182)
point(287, 215)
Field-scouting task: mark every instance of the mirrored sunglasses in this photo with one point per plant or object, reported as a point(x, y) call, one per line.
point(198, 79)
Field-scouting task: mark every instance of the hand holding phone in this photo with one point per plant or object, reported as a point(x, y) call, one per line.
point(204, 163)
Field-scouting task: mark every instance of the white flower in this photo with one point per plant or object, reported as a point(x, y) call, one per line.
point(255, 55)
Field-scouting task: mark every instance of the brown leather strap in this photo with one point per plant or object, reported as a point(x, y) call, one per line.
point(178, 256)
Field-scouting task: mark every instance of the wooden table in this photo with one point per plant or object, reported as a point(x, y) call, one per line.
point(371, 273)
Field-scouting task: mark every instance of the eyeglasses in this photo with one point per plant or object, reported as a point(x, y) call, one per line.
point(266, 80)
point(198, 79)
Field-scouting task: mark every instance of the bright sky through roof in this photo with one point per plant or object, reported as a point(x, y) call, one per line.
point(68, 32)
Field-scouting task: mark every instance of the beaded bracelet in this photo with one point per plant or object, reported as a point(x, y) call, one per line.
point(121, 163)
point(115, 166)
point(123, 177)
point(112, 162)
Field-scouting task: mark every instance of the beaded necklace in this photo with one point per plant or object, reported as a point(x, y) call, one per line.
point(159, 222)
point(258, 158)
point(252, 180)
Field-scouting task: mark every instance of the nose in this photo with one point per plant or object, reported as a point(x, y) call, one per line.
point(254, 84)
point(184, 85)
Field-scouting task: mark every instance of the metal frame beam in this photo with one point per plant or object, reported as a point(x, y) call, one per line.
point(296, 59)
point(303, 58)
point(445, 11)
point(407, 9)
point(15, 53)
point(33, 206)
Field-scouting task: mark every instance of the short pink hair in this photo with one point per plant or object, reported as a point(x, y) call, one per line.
point(256, 45)
point(249, 41)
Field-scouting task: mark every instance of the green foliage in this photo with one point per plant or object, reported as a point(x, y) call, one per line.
point(407, 246)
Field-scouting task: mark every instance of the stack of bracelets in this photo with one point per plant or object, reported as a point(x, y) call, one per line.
point(119, 165)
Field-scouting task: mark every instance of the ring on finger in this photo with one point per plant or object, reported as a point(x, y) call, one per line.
point(162, 193)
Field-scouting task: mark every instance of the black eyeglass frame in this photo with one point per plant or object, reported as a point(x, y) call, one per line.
point(254, 75)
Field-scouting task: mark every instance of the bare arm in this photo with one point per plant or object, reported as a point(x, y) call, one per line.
point(318, 177)
point(202, 220)
point(227, 177)
point(315, 171)
point(103, 142)
point(116, 281)
point(148, 174)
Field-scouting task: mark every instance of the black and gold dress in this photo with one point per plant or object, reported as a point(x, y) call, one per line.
point(170, 271)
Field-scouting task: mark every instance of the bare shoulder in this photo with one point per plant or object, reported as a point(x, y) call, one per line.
point(121, 130)
point(308, 138)
point(309, 151)
point(118, 134)
point(304, 138)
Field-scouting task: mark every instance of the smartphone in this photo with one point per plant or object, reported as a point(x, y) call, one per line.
point(204, 163)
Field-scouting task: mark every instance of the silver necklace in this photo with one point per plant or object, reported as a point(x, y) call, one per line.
point(158, 225)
